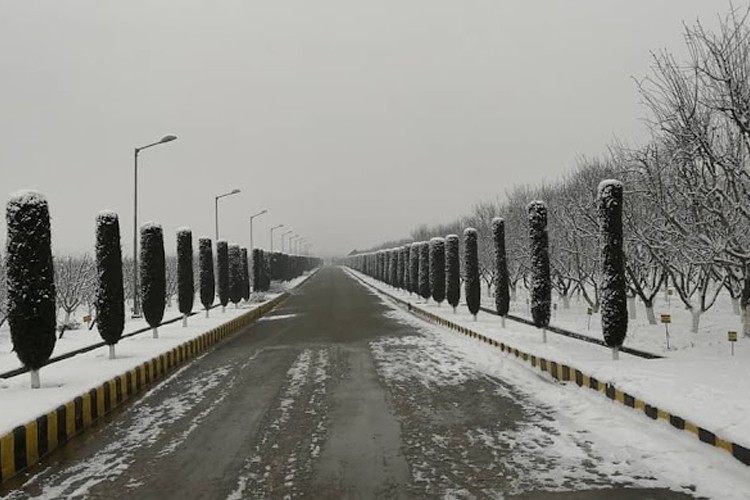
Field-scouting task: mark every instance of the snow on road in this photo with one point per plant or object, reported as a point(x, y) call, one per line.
point(545, 436)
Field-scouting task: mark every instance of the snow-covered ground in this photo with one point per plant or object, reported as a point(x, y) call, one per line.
point(699, 381)
point(64, 380)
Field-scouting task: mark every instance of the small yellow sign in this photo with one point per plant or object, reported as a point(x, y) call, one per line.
point(87, 318)
point(666, 318)
point(670, 291)
point(589, 311)
point(732, 336)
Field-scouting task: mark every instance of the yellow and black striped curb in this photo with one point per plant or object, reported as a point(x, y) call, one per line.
point(27, 444)
point(565, 373)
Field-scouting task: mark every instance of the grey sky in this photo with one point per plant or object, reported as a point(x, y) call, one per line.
point(351, 121)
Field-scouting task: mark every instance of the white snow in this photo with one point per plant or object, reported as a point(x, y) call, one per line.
point(27, 196)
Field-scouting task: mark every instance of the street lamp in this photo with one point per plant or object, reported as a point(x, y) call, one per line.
point(216, 208)
point(165, 139)
point(282, 239)
point(251, 227)
point(293, 243)
point(270, 234)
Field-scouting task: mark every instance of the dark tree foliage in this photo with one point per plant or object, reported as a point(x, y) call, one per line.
point(403, 263)
point(437, 269)
point(222, 267)
point(471, 270)
point(614, 311)
point(502, 287)
point(424, 270)
point(206, 265)
point(110, 296)
point(235, 273)
point(381, 266)
point(541, 284)
point(258, 270)
point(393, 267)
point(153, 274)
point(414, 268)
point(452, 270)
point(267, 270)
point(185, 285)
point(31, 279)
point(245, 276)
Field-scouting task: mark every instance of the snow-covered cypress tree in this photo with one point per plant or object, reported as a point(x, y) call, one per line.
point(257, 270)
point(110, 296)
point(206, 265)
point(393, 278)
point(245, 275)
point(471, 270)
point(541, 283)
point(31, 280)
point(424, 270)
point(222, 271)
point(614, 310)
point(502, 287)
point(185, 285)
point(399, 268)
point(235, 274)
point(414, 268)
point(267, 270)
point(153, 275)
point(403, 266)
point(437, 269)
point(452, 271)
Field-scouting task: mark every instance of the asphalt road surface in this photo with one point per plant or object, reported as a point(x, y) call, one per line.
point(336, 394)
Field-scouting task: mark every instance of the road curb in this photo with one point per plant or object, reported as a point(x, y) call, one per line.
point(27, 444)
point(565, 373)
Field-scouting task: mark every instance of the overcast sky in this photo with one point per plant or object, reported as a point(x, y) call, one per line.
point(351, 121)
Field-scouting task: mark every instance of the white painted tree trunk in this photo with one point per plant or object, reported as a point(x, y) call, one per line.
point(544, 335)
point(184, 320)
point(223, 309)
point(207, 310)
point(513, 294)
point(502, 321)
point(736, 306)
point(615, 353)
point(35, 383)
point(696, 314)
point(112, 351)
point(650, 315)
point(454, 310)
point(156, 332)
point(475, 317)
point(566, 301)
point(631, 308)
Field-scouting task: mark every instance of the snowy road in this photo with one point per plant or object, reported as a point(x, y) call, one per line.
point(339, 395)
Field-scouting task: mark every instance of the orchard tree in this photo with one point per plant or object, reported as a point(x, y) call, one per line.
point(471, 269)
point(110, 295)
point(452, 271)
point(185, 285)
point(153, 275)
point(235, 274)
point(31, 280)
point(541, 286)
point(222, 267)
point(502, 290)
point(437, 269)
point(614, 309)
point(75, 275)
point(206, 265)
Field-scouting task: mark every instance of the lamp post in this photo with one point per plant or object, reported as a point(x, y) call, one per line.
point(137, 151)
point(270, 234)
point(293, 240)
point(216, 208)
point(282, 239)
point(251, 227)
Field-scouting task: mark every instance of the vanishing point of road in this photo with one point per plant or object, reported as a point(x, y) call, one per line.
point(338, 394)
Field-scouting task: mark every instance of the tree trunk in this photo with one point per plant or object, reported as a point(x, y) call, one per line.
point(156, 332)
point(112, 351)
point(67, 317)
point(502, 321)
point(207, 312)
point(696, 314)
point(184, 320)
point(544, 335)
point(615, 353)
point(35, 383)
point(736, 305)
point(513, 293)
point(565, 301)
point(650, 313)
point(631, 308)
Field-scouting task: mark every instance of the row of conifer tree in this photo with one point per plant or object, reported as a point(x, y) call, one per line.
point(432, 269)
point(31, 277)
